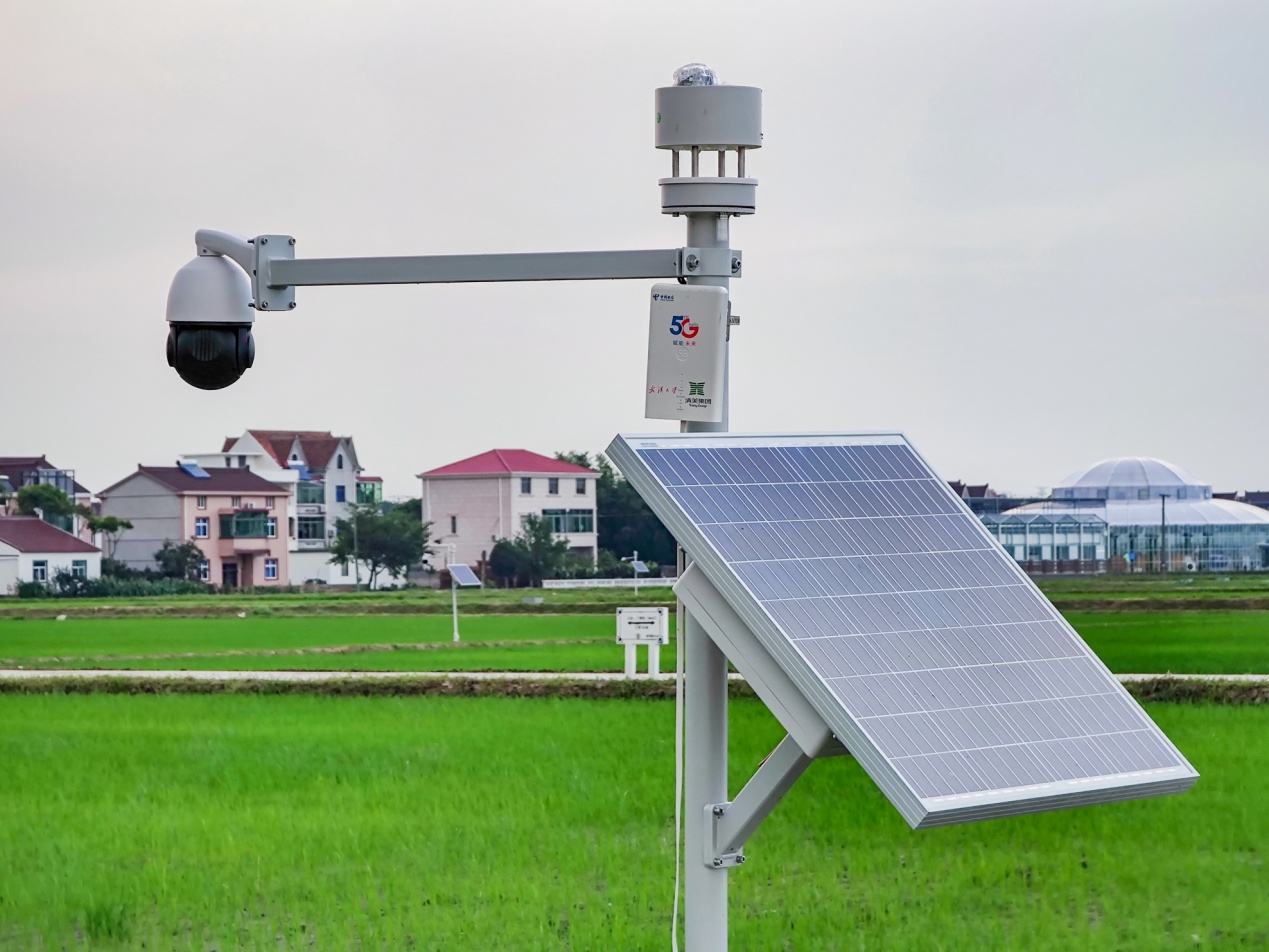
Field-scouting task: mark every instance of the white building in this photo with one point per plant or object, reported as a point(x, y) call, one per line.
point(324, 478)
point(31, 550)
point(477, 501)
point(1134, 514)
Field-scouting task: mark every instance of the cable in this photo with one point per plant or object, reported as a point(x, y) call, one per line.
point(678, 775)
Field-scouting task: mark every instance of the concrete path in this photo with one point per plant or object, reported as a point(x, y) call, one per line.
point(319, 676)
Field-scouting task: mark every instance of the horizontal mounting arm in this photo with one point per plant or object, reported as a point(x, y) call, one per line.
point(275, 273)
point(462, 269)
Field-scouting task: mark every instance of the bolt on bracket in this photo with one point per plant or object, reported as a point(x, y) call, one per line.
point(717, 857)
point(265, 250)
point(710, 263)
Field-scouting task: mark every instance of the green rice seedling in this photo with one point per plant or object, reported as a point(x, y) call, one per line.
point(251, 822)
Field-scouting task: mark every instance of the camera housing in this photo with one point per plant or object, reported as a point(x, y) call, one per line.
point(209, 314)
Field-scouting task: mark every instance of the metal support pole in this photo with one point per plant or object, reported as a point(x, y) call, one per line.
point(453, 597)
point(453, 587)
point(705, 701)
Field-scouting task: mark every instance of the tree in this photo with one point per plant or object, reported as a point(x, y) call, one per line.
point(542, 553)
point(50, 504)
point(179, 560)
point(623, 520)
point(394, 543)
point(111, 529)
point(410, 507)
point(505, 559)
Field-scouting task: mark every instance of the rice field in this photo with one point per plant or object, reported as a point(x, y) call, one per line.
point(240, 822)
point(1211, 642)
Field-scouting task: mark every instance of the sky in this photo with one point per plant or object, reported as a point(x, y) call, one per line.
point(1029, 235)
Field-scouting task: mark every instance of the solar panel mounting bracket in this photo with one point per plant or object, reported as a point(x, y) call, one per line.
point(731, 824)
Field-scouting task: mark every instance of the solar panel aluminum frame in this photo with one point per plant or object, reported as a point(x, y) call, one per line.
point(920, 813)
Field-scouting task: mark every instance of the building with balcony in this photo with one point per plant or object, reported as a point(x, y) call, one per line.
point(235, 516)
point(32, 550)
point(19, 471)
point(323, 478)
point(475, 502)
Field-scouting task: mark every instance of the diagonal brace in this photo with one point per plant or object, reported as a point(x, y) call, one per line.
point(731, 824)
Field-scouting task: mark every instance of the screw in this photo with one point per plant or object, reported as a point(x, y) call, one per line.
point(693, 262)
point(291, 304)
point(264, 241)
point(740, 858)
point(735, 266)
point(264, 305)
point(290, 241)
point(718, 812)
point(717, 862)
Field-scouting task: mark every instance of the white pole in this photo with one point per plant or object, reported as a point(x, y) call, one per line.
point(705, 702)
point(632, 660)
point(634, 564)
point(453, 588)
point(654, 659)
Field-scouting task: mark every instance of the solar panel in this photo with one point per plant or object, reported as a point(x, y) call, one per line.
point(462, 575)
point(924, 647)
point(639, 566)
point(193, 469)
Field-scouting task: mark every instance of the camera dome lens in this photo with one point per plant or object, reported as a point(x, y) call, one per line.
point(208, 356)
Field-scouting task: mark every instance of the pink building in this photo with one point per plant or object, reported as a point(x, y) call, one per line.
point(475, 502)
point(237, 518)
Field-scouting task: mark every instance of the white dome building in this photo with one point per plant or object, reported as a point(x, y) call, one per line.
point(1134, 514)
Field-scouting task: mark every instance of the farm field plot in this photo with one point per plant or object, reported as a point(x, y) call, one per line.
point(107, 637)
point(1106, 592)
point(252, 823)
point(1178, 642)
point(1137, 642)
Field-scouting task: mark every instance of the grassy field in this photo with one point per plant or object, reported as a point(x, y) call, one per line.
point(81, 638)
point(1178, 642)
point(1137, 642)
point(1107, 590)
point(252, 823)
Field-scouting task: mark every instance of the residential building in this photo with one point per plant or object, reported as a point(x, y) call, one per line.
point(475, 502)
point(234, 515)
point(19, 471)
point(323, 478)
point(32, 550)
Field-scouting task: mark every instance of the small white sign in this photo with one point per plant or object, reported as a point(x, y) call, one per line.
point(687, 348)
point(643, 626)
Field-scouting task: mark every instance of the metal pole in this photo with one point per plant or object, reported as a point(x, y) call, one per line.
point(633, 563)
point(1163, 533)
point(356, 552)
point(453, 588)
point(705, 700)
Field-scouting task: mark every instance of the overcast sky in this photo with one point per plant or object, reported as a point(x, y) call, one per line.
point(1030, 235)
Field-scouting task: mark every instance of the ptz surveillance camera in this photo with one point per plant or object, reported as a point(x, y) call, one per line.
point(209, 314)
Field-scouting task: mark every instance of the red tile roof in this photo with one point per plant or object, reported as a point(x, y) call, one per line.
point(319, 445)
point(29, 534)
point(501, 462)
point(226, 480)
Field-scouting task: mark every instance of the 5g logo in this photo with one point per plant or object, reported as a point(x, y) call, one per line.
point(682, 326)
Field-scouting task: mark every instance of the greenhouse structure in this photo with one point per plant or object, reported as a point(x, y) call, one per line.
point(1134, 514)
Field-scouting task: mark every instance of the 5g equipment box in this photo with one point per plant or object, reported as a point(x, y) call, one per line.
point(687, 347)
